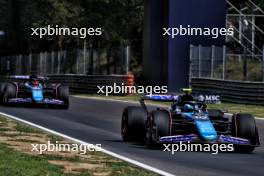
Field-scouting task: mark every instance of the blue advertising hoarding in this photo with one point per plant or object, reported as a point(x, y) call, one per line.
point(166, 59)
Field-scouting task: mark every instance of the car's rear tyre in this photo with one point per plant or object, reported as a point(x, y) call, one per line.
point(133, 124)
point(63, 95)
point(244, 126)
point(8, 93)
point(158, 126)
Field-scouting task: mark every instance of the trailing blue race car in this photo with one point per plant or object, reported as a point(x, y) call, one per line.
point(34, 90)
point(187, 120)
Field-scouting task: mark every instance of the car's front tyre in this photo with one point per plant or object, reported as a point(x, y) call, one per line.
point(63, 95)
point(2, 88)
point(8, 93)
point(157, 126)
point(244, 126)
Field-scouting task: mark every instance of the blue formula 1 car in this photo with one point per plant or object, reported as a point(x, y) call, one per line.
point(34, 90)
point(188, 120)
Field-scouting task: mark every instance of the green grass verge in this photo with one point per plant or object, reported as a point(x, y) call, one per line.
point(256, 110)
point(13, 162)
point(26, 129)
point(19, 164)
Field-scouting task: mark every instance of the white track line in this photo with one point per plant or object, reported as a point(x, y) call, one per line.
point(137, 163)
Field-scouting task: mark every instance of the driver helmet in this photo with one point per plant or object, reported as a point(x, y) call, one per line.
point(188, 108)
point(34, 80)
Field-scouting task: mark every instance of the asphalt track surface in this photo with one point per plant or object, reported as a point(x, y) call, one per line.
point(98, 122)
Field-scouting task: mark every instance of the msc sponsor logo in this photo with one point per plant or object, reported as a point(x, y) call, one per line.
point(209, 98)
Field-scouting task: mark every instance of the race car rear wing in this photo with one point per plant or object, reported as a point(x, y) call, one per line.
point(157, 97)
point(162, 97)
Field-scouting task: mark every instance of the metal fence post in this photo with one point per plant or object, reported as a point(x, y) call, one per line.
point(30, 63)
point(199, 60)
point(20, 64)
point(8, 65)
point(84, 57)
point(190, 65)
point(263, 64)
point(38, 67)
point(41, 62)
point(224, 59)
point(17, 65)
point(127, 58)
point(45, 62)
point(52, 63)
point(91, 67)
point(77, 60)
point(212, 61)
point(59, 62)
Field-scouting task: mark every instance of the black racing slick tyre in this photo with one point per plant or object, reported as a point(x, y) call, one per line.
point(162, 123)
point(244, 126)
point(158, 126)
point(8, 93)
point(2, 88)
point(63, 95)
point(133, 124)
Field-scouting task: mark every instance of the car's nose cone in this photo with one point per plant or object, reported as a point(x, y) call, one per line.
point(206, 130)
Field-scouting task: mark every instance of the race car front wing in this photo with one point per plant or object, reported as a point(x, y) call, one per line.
point(29, 100)
point(195, 138)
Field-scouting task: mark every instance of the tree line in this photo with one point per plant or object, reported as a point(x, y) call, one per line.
point(121, 20)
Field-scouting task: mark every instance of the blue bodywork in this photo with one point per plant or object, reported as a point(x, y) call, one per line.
point(205, 129)
point(196, 114)
point(163, 97)
point(203, 124)
point(201, 120)
point(37, 94)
